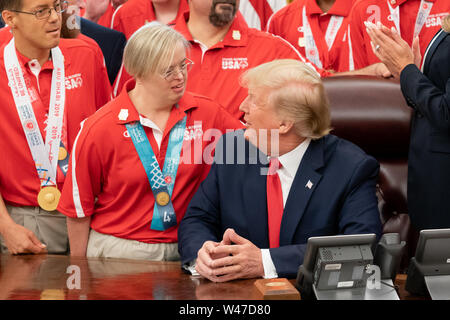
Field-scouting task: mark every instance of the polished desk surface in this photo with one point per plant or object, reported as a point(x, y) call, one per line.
point(54, 277)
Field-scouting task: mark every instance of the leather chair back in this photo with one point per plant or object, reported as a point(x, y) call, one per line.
point(372, 113)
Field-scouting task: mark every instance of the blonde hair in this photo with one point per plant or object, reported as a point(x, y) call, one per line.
point(446, 24)
point(150, 49)
point(296, 93)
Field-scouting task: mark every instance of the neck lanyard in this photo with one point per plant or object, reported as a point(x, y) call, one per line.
point(45, 155)
point(422, 14)
point(312, 53)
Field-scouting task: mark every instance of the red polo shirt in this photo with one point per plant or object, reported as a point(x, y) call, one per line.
point(288, 23)
point(104, 87)
point(378, 10)
point(107, 180)
point(19, 181)
point(216, 71)
point(106, 19)
point(135, 13)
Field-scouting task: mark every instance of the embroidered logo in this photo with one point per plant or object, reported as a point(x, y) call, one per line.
point(74, 81)
point(435, 20)
point(234, 63)
point(193, 132)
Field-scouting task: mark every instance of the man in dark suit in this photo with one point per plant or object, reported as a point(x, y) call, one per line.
point(428, 93)
point(248, 221)
point(111, 42)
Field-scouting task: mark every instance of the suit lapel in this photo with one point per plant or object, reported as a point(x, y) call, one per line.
point(305, 182)
point(430, 51)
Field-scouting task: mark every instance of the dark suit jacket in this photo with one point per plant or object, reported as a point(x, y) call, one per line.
point(342, 200)
point(111, 42)
point(429, 154)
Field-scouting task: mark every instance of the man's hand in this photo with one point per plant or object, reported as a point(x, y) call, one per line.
point(391, 49)
point(205, 257)
point(234, 258)
point(21, 240)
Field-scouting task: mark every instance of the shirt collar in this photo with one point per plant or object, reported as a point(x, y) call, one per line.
point(339, 8)
point(237, 35)
point(33, 64)
point(125, 112)
point(291, 160)
point(396, 3)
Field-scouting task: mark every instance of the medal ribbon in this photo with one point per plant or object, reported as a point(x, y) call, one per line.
point(45, 155)
point(422, 15)
point(312, 53)
point(164, 216)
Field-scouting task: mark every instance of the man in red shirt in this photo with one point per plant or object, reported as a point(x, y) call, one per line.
point(318, 30)
point(411, 18)
point(135, 13)
point(100, 11)
point(223, 47)
point(54, 85)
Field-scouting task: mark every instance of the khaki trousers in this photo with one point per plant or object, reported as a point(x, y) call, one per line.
point(107, 246)
point(48, 226)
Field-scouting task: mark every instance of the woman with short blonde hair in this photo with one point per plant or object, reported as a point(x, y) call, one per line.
point(138, 161)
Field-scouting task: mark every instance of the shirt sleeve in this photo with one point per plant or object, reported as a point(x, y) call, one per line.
point(357, 40)
point(270, 272)
point(83, 180)
point(102, 84)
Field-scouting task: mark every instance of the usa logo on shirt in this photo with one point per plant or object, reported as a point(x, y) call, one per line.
point(74, 81)
point(434, 20)
point(193, 132)
point(234, 63)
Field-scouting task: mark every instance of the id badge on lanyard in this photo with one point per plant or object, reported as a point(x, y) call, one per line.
point(45, 155)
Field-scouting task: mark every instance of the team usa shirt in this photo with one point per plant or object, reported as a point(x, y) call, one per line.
point(217, 69)
point(135, 13)
point(401, 14)
point(85, 93)
point(106, 178)
point(322, 38)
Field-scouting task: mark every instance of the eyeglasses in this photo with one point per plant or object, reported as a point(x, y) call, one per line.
point(183, 67)
point(46, 12)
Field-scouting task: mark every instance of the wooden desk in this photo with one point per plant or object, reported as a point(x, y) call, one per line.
point(34, 277)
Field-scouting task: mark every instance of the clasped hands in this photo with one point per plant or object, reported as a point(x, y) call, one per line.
point(391, 49)
point(233, 258)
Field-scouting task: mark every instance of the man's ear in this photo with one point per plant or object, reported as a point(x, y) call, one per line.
point(286, 126)
point(8, 17)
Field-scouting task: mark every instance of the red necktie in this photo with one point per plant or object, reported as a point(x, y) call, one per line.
point(274, 203)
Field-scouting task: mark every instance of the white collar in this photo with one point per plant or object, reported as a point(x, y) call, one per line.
point(291, 161)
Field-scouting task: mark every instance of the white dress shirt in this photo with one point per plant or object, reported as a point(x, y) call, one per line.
point(289, 165)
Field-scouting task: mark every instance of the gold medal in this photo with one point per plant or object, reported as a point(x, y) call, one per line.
point(62, 153)
point(162, 198)
point(48, 198)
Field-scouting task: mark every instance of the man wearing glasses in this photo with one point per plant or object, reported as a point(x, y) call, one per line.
point(48, 88)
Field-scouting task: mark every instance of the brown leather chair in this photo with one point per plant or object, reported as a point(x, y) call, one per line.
point(372, 113)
